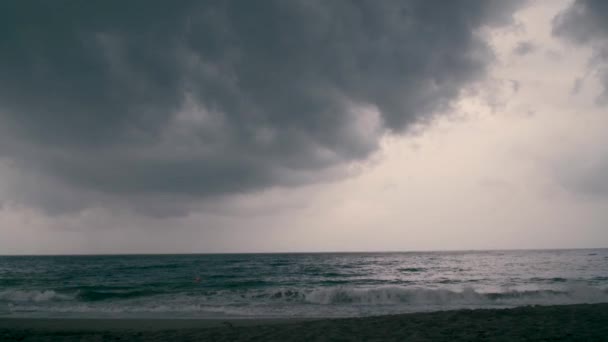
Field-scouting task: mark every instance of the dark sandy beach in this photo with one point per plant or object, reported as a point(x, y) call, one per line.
point(548, 323)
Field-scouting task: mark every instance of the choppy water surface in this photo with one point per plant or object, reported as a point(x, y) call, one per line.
point(297, 285)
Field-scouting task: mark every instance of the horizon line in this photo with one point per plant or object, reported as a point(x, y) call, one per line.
point(311, 252)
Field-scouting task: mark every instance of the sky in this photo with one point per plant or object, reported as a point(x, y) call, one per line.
point(295, 126)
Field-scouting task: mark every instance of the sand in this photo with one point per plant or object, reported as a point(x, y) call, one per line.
point(538, 323)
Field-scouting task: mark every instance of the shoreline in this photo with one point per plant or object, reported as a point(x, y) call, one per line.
point(531, 323)
point(139, 324)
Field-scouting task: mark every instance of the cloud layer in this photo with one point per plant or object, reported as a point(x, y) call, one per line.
point(584, 24)
point(149, 100)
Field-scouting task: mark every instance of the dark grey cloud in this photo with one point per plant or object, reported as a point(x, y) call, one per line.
point(192, 99)
point(585, 22)
point(524, 48)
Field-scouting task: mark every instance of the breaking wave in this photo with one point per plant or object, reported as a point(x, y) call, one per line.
point(334, 295)
point(468, 296)
point(334, 301)
point(33, 296)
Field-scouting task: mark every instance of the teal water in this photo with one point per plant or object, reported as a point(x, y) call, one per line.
point(296, 285)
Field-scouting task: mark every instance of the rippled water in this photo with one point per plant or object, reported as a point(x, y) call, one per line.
point(297, 285)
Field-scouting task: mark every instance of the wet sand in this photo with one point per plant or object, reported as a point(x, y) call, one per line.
point(538, 323)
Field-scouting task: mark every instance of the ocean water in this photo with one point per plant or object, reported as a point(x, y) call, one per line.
point(296, 285)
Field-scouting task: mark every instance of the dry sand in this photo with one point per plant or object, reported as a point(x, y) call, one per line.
point(548, 323)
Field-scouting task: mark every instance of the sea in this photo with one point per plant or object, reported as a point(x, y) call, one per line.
point(296, 285)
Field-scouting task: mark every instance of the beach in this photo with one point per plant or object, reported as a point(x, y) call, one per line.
point(583, 322)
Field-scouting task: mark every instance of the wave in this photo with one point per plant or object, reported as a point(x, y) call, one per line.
point(33, 296)
point(331, 300)
point(135, 268)
point(550, 280)
point(411, 269)
point(444, 297)
point(120, 294)
point(84, 295)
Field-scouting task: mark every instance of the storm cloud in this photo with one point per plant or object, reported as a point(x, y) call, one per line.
point(584, 23)
point(191, 100)
point(524, 48)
